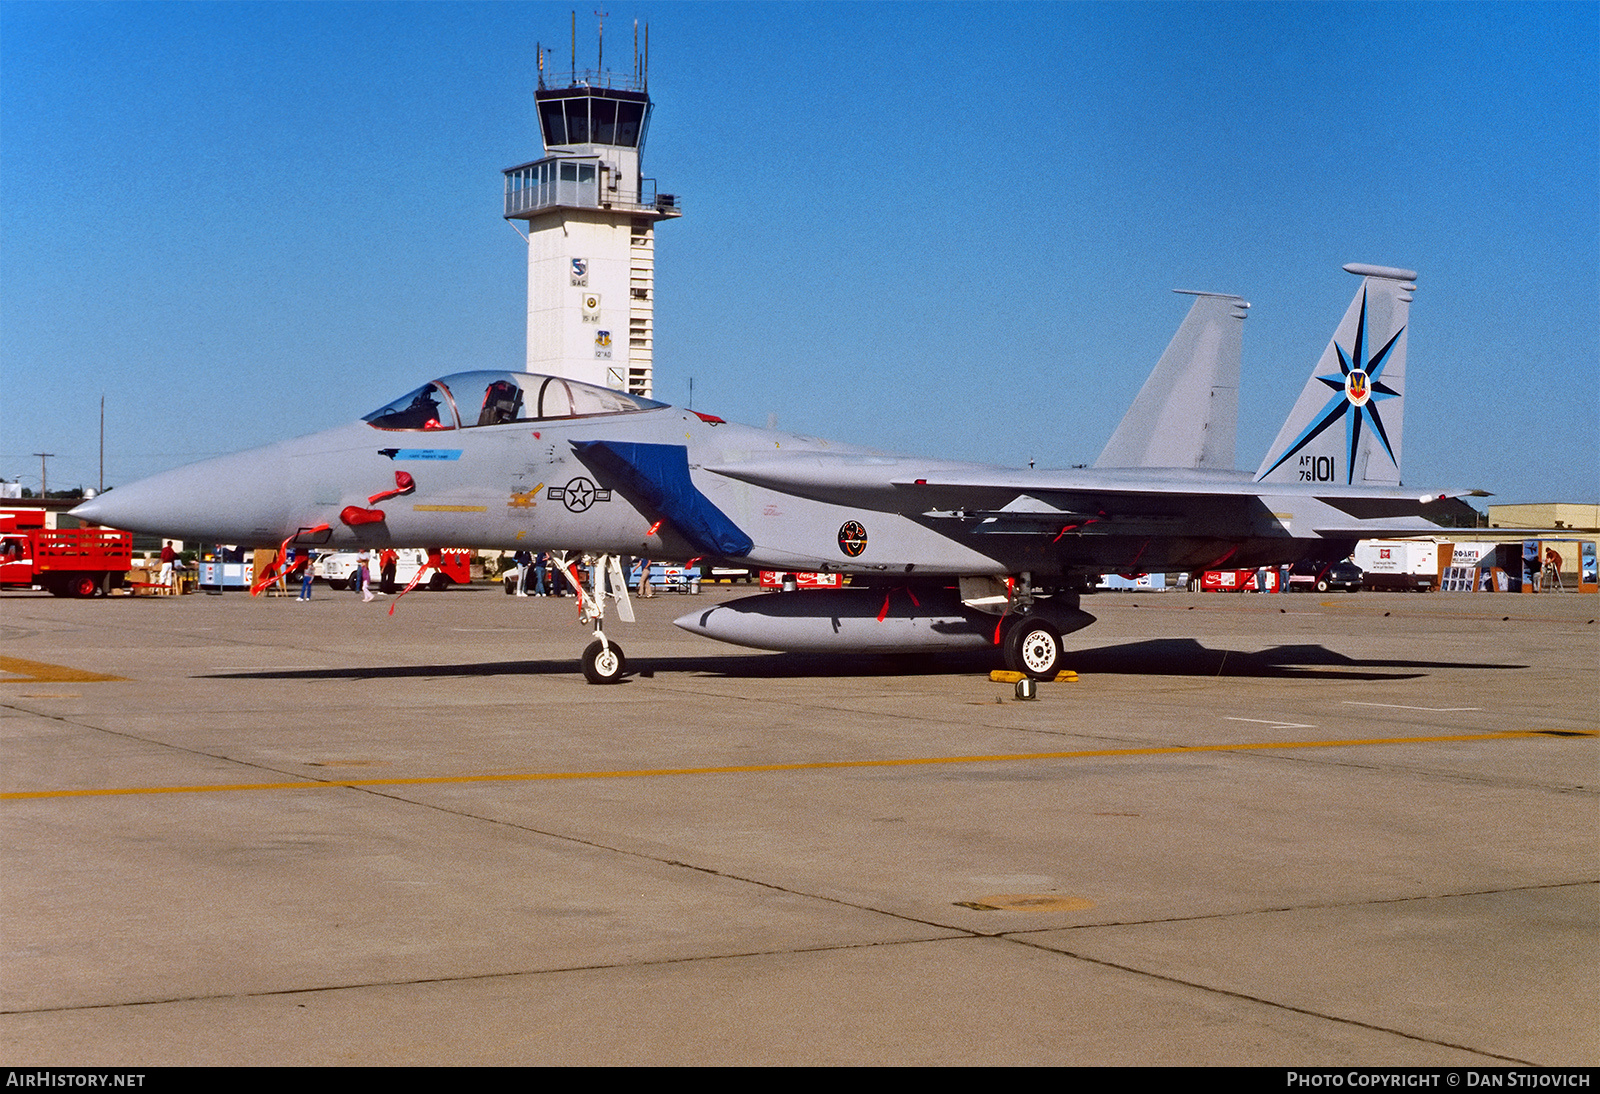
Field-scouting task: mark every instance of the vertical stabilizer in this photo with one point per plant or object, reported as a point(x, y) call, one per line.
point(1346, 426)
point(1187, 413)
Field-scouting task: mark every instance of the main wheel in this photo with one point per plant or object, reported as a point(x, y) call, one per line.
point(603, 663)
point(1033, 647)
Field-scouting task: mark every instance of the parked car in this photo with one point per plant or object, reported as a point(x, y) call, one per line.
point(1323, 576)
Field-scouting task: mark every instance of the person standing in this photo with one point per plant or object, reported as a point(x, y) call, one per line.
point(522, 560)
point(557, 582)
point(168, 558)
point(303, 559)
point(1550, 577)
point(361, 577)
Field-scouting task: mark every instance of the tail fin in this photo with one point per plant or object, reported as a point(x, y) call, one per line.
point(1187, 413)
point(1346, 426)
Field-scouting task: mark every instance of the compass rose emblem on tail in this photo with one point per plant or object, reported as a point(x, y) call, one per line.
point(1345, 427)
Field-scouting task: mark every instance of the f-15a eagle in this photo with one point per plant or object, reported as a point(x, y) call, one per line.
point(942, 555)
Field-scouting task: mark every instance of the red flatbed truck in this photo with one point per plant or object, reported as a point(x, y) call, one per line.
point(63, 561)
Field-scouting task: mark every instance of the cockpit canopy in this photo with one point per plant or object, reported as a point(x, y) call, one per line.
point(467, 400)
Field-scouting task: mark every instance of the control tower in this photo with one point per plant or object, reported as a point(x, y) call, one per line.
point(591, 217)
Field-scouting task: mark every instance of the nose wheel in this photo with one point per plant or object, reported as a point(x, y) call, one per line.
point(603, 662)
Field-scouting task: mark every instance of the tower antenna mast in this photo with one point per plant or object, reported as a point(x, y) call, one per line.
point(591, 217)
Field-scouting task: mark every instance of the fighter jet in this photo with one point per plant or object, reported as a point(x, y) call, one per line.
point(941, 555)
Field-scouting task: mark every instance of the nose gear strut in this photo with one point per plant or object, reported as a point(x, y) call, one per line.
point(603, 660)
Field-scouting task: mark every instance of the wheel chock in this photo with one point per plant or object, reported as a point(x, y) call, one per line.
point(1006, 676)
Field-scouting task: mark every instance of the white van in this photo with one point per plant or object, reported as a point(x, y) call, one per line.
point(335, 568)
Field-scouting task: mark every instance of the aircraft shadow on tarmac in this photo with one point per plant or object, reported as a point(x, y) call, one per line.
point(1154, 657)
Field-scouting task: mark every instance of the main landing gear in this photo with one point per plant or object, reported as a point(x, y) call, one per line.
point(1032, 620)
point(1033, 647)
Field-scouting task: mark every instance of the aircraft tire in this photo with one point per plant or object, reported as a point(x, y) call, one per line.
point(603, 664)
point(1033, 647)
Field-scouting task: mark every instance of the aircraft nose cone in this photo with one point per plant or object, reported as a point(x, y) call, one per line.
point(231, 499)
point(136, 507)
point(95, 511)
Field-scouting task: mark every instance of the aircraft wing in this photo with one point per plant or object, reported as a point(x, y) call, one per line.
point(850, 478)
point(1000, 501)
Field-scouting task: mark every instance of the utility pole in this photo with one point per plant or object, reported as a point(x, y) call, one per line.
point(44, 482)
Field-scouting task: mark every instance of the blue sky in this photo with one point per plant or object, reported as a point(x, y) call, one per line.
point(947, 229)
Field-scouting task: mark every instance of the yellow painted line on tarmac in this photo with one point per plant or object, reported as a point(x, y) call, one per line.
point(814, 765)
point(34, 672)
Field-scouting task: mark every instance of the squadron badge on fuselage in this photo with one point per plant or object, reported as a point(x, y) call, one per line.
point(852, 538)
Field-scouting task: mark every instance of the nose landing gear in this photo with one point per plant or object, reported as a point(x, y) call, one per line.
point(603, 660)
